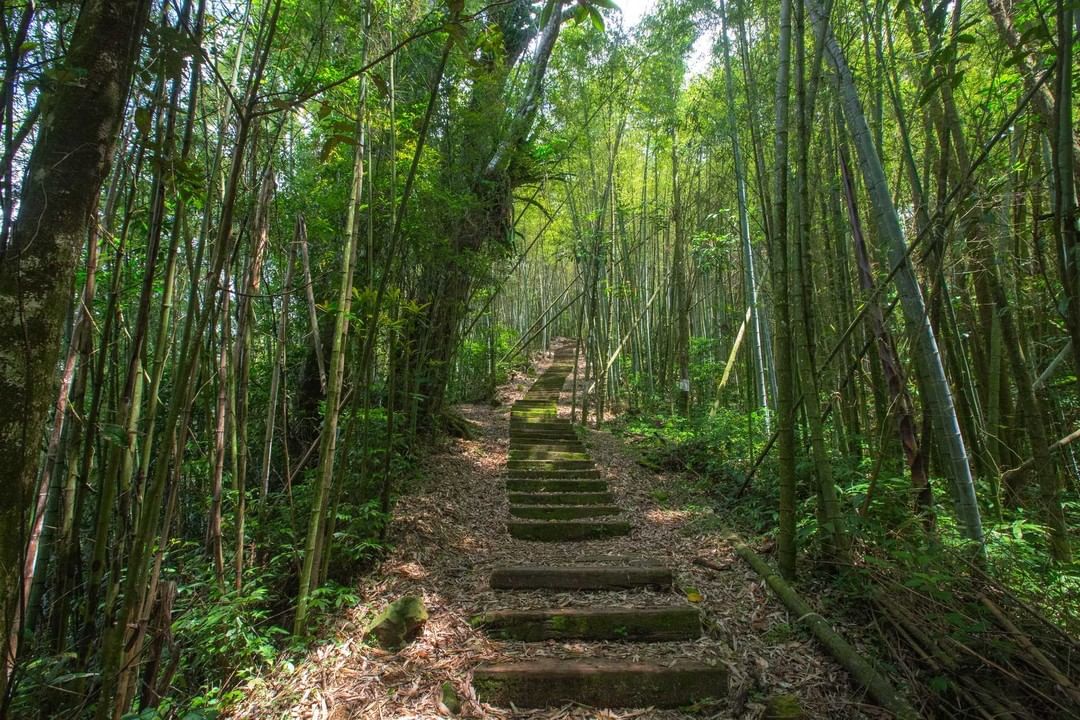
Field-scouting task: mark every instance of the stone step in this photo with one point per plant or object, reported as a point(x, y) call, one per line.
point(530, 445)
point(546, 435)
point(516, 455)
point(597, 682)
point(518, 426)
point(529, 423)
point(555, 474)
point(549, 464)
point(554, 485)
point(518, 438)
point(567, 530)
point(570, 498)
point(653, 624)
point(529, 415)
point(562, 512)
point(525, 446)
point(543, 437)
point(596, 576)
point(533, 440)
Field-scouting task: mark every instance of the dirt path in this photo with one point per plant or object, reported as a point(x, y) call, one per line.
point(448, 538)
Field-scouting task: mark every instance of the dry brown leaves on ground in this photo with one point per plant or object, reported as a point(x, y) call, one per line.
point(451, 533)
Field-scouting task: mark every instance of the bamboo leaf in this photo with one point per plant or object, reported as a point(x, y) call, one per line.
point(596, 18)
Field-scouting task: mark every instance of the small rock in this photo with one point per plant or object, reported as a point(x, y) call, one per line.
point(783, 707)
point(400, 622)
point(450, 699)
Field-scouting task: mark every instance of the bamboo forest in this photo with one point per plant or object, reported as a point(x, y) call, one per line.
point(540, 359)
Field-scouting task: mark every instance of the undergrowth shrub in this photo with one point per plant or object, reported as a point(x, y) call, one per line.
point(712, 452)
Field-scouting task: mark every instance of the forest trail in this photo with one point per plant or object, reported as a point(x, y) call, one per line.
point(608, 622)
point(557, 495)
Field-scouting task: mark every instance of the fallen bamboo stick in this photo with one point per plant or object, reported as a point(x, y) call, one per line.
point(1056, 447)
point(864, 673)
point(1036, 655)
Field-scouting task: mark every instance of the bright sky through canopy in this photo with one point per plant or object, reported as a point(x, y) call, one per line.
point(697, 59)
point(634, 10)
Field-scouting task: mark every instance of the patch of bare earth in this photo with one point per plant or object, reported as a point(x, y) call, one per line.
point(449, 535)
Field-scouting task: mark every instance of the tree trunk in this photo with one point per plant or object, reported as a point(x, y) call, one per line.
point(69, 162)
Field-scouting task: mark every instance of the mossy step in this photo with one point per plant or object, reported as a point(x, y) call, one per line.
point(518, 427)
point(567, 530)
point(554, 473)
point(547, 455)
point(517, 449)
point(527, 438)
point(594, 576)
point(549, 464)
point(554, 485)
point(597, 683)
point(569, 498)
point(524, 446)
point(655, 624)
point(543, 437)
point(540, 424)
point(530, 444)
point(562, 512)
point(541, 427)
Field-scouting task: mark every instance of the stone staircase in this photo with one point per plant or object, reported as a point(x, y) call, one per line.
point(557, 495)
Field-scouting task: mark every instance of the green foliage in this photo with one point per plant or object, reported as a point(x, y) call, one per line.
point(480, 367)
point(224, 631)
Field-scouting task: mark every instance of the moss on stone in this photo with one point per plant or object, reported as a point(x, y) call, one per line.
point(450, 698)
point(399, 622)
point(563, 512)
point(784, 707)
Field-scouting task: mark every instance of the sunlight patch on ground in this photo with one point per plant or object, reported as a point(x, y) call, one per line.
point(668, 517)
point(409, 570)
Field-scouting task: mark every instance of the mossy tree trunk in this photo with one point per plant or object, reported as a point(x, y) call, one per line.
point(70, 160)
